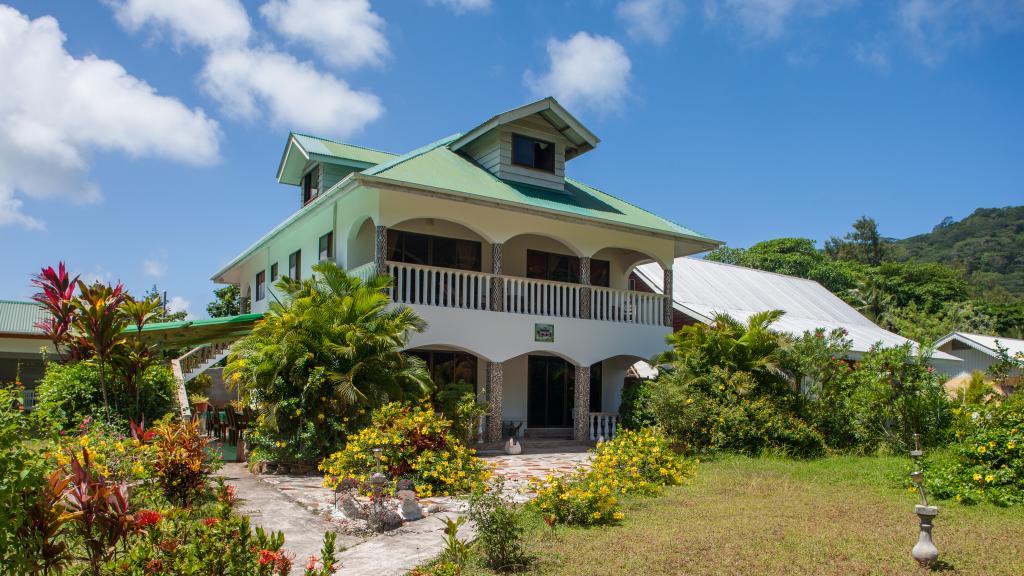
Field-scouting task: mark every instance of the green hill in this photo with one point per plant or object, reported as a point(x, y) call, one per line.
point(988, 245)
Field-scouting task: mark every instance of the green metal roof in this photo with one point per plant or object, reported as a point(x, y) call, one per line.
point(324, 147)
point(20, 317)
point(437, 166)
point(191, 332)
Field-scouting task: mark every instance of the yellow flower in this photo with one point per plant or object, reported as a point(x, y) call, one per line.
point(989, 478)
point(977, 477)
point(597, 515)
point(618, 516)
point(982, 450)
point(1011, 445)
point(959, 497)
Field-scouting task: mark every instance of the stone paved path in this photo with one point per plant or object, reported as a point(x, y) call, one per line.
point(304, 510)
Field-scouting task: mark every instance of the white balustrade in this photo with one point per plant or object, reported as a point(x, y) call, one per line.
point(364, 272)
point(447, 287)
point(614, 305)
point(603, 425)
point(541, 297)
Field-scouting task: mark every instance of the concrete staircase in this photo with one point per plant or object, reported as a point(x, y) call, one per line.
point(549, 433)
point(193, 363)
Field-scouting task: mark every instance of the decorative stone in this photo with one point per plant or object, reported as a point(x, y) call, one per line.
point(925, 551)
point(383, 519)
point(351, 508)
point(495, 382)
point(581, 405)
point(409, 508)
point(512, 447)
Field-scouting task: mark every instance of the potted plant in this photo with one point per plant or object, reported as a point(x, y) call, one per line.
point(199, 402)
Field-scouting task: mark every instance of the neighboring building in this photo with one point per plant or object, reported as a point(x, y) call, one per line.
point(979, 352)
point(21, 345)
point(702, 288)
point(521, 272)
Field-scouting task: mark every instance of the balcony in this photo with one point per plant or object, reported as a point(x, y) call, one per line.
point(469, 290)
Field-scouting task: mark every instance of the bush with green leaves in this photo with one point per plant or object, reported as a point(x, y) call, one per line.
point(70, 393)
point(637, 408)
point(500, 529)
point(988, 458)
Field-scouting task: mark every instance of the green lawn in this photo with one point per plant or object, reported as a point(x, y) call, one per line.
point(843, 515)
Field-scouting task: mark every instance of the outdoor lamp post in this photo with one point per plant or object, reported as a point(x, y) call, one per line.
point(924, 551)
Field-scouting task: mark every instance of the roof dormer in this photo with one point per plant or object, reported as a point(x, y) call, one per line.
point(528, 145)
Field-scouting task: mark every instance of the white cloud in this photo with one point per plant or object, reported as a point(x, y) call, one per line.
point(345, 33)
point(203, 22)
point(248, 82)
point(463, 6)
point(651, 20)
point(58, 109)
point(935, 27)
point(179, 304)
point(872, 55)
point(155, 266)
point(585, 71)
point(767, 19)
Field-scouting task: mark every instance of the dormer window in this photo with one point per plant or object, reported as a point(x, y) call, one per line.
point(310, 185)
point(533, 153)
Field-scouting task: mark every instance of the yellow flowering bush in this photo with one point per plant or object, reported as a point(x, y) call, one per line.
point(634, 462)
point(640, 462)
point(416, 444)
point(112, 454)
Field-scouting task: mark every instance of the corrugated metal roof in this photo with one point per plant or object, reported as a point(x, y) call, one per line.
point(325, 147)
point(702, 288)
point(19, 317)
point(437, 166)
point(1012, 345)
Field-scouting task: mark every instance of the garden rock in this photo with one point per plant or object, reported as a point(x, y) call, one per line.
point(410, 509)
point(351, 508)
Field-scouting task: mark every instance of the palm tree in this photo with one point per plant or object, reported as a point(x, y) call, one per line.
point(732, 346)
point(99, 322)
point(332, 346)
point(871, 300)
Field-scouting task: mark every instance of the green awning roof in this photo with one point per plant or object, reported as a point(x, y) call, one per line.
point(191, 332)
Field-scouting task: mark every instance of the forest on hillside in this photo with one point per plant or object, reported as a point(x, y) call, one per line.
point(965, 275)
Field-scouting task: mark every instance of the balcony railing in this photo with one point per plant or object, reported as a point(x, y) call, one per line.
point(468, 290)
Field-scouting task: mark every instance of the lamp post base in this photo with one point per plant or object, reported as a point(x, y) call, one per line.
point(925, 551)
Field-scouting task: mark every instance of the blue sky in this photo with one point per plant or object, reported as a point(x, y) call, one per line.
point(141, 137)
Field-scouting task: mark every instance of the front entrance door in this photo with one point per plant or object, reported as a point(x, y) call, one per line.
point(550, 392)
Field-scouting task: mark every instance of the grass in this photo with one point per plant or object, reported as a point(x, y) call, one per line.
point(840, 515)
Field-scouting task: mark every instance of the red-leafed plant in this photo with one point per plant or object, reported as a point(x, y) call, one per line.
point(101, 510)
point(133, 357)
point(99, 320)
point(44, 533)
point(139, 432)
point(56, 296)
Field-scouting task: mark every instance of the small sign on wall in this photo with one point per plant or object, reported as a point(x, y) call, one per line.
point(543, 332)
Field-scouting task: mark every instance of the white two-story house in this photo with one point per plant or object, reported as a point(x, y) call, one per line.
point(522, 273)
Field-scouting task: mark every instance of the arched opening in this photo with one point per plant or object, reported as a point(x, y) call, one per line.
point(360, 245)
point(541, 257)
point(440, 243)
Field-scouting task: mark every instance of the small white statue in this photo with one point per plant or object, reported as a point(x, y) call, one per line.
point(512, 447)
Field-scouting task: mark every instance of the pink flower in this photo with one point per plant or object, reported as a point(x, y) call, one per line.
point(145, 518)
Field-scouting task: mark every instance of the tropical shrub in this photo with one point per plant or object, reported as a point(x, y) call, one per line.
point(636, 407)
point(320, 361)
point(110, 453)
point(988, 459)
point(500, 529)
point(416, 444)
point(458, 402)
point(577, 499)
point(70, 393)
point(180, 461)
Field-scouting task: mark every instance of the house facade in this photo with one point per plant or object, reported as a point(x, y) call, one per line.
point(978, 353)
point(23, 346)
point(522, 273)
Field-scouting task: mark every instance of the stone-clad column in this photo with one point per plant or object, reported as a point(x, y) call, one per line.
point(668, 297)
point(494, 392)
point(581, 405)
point(497, 284)
point(585, 290)
point(380, 250)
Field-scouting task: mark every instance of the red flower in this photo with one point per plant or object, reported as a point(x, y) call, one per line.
point(210, 521)
point(267, 557)
point(145, 518)
point(314, 563)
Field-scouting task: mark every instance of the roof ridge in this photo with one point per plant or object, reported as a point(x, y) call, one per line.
point(375, 170)
point(751, 268)
point(674, 223)
point(344, 143)
point(5, 301)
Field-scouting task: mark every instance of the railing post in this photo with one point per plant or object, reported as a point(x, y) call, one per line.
point(668, 298)
point(581, 404)
point(585, 290)
point(495, 383)
point(380, 250)
point(497, 282)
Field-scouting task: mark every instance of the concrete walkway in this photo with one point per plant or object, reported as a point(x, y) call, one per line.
point(391, 554)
